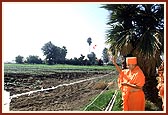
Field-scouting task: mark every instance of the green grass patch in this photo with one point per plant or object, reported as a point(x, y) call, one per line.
point(51, 69)
point(58, 66)
point(149, 106)
point(118, 103)
point(102, 101)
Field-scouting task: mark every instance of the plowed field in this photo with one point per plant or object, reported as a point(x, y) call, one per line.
point(66, 98)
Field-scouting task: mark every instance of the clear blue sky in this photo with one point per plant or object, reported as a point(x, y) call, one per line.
point(28, 26)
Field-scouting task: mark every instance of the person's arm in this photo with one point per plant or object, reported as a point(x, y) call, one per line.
point(113, 59)
point(131, 85)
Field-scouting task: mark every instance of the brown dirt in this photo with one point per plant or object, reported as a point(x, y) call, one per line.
point(66, 98)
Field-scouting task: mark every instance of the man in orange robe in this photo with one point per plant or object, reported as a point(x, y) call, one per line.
point(130, 82)
point(160, 85)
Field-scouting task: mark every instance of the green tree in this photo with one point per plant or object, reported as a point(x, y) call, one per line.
point(81, 59)
point(33, 59)
point(138, 29)
point(89, 41)
point(54, 54)
point(92, 58)
point(19, 59)
point(105, 55)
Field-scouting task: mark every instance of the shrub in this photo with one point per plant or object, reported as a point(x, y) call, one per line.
point(149, 106)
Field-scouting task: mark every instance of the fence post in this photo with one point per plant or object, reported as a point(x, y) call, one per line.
point(6, 101)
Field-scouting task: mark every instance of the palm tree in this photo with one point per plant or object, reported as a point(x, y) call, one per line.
point(89, 41)
point(138, 29)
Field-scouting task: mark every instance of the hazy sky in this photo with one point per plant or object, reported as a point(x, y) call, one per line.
point(26, 27)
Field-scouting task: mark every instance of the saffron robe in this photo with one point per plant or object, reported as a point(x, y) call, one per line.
point(133, 98)
point(160, 86)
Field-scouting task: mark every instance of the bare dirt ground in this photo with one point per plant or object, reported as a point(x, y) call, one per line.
point(65, 98)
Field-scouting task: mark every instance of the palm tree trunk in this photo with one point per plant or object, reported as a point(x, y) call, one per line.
point(148, 66)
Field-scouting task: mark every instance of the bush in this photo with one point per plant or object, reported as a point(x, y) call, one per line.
point(149, 106)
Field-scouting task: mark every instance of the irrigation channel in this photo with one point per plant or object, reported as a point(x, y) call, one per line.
point(58, 95)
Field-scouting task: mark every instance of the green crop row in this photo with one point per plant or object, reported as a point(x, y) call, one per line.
point(50, 69)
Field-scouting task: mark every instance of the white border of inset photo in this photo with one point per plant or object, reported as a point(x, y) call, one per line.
point(6, 95)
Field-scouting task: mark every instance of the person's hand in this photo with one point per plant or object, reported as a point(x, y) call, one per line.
point(113, 60)
point(123, 83)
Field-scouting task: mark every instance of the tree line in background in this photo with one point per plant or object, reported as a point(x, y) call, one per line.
point(56, 55)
